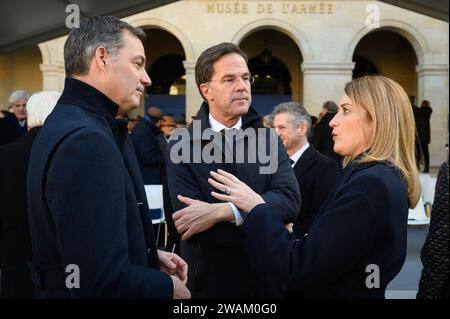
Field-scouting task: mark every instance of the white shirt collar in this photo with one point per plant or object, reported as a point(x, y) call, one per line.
point(217, 126)
point(295, 157)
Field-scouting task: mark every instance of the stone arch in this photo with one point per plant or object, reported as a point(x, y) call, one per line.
point(45, 53)
point(278, 25)
point(405, 30)
point(170, 28)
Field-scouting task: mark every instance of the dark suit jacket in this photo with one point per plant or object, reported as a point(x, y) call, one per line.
point(15, 245)
point(148, 151)
point(9, 129)
point(422, 116)
point(317, 176)
point(87, 204)
point(218, 265)
point(364, 223)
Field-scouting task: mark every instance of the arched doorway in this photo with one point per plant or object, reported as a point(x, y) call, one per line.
point(20, 70)
point(168, 75)
point(165, 56)
point(390, 54)
point(274, 60)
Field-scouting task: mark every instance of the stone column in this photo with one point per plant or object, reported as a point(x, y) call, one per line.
point(52, 77)
point(323, 82)
point(433, 86)
point(193, 97)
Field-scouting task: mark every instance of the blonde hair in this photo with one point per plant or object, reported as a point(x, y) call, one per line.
point(39, 106)
point(393, 135)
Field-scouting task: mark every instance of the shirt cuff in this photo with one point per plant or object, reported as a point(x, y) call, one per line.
point(237, 215)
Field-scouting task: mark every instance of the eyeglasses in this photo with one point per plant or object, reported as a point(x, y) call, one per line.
point(232, 80)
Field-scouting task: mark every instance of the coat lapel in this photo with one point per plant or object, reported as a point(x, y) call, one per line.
point(304, 162)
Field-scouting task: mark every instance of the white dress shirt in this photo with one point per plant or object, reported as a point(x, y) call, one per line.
point(217, 127)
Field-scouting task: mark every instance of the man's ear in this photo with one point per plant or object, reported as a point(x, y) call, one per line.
point(100, 58)
point(204, 88)
point(303, 129)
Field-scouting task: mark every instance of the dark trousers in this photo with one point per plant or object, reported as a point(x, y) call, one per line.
point(422, 153)
point(426, 157)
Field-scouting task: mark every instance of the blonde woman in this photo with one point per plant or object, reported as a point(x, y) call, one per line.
point(357, 243)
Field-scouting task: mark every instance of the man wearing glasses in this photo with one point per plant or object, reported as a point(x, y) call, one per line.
point(212, 244)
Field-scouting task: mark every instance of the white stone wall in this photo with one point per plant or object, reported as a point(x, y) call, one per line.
point(326, 32)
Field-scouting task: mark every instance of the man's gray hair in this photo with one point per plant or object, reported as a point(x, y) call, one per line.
point(94, 32)
point(39, 106)
point(296, 110)
point(18, 95)
point(268, 119)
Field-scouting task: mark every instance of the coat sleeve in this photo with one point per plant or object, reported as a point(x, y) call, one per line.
point(85, 191)
point(337, 241)
point(283, 193)
point(435, 252)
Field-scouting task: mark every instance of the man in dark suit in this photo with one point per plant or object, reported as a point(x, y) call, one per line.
point(15, 245)
point(87, 210)
point(173, 237)
point(422, 116)
point(211, 243)
point(317, 174)
point(146, 145)
point(13, 123)
point(321, 137)
point(18, 106)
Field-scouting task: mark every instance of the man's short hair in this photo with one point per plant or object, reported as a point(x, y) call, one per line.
point(155, 114)
point(330, 106)
point(268, 119)
point(94, 32)
point(205, 62)
point(39, 106)
point(297, 111)
point(180, 119)
point(17, 95)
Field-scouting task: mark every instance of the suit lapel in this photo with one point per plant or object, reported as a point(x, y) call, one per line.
point(304, 162)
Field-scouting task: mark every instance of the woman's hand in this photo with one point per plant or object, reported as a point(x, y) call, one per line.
point(234, 191)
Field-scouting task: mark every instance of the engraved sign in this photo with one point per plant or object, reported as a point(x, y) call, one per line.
point(283, 7)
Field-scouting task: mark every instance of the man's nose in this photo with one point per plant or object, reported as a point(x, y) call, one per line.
point(145, 79)
point(240, 84)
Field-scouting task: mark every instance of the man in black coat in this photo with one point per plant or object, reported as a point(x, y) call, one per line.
point(90, 227)
point(317, 174)
point(147, 147)
point(18, 106)
point(15, 245)
point(211, 243)
point(321, 137)
point(14, 235)
point(422, 116)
